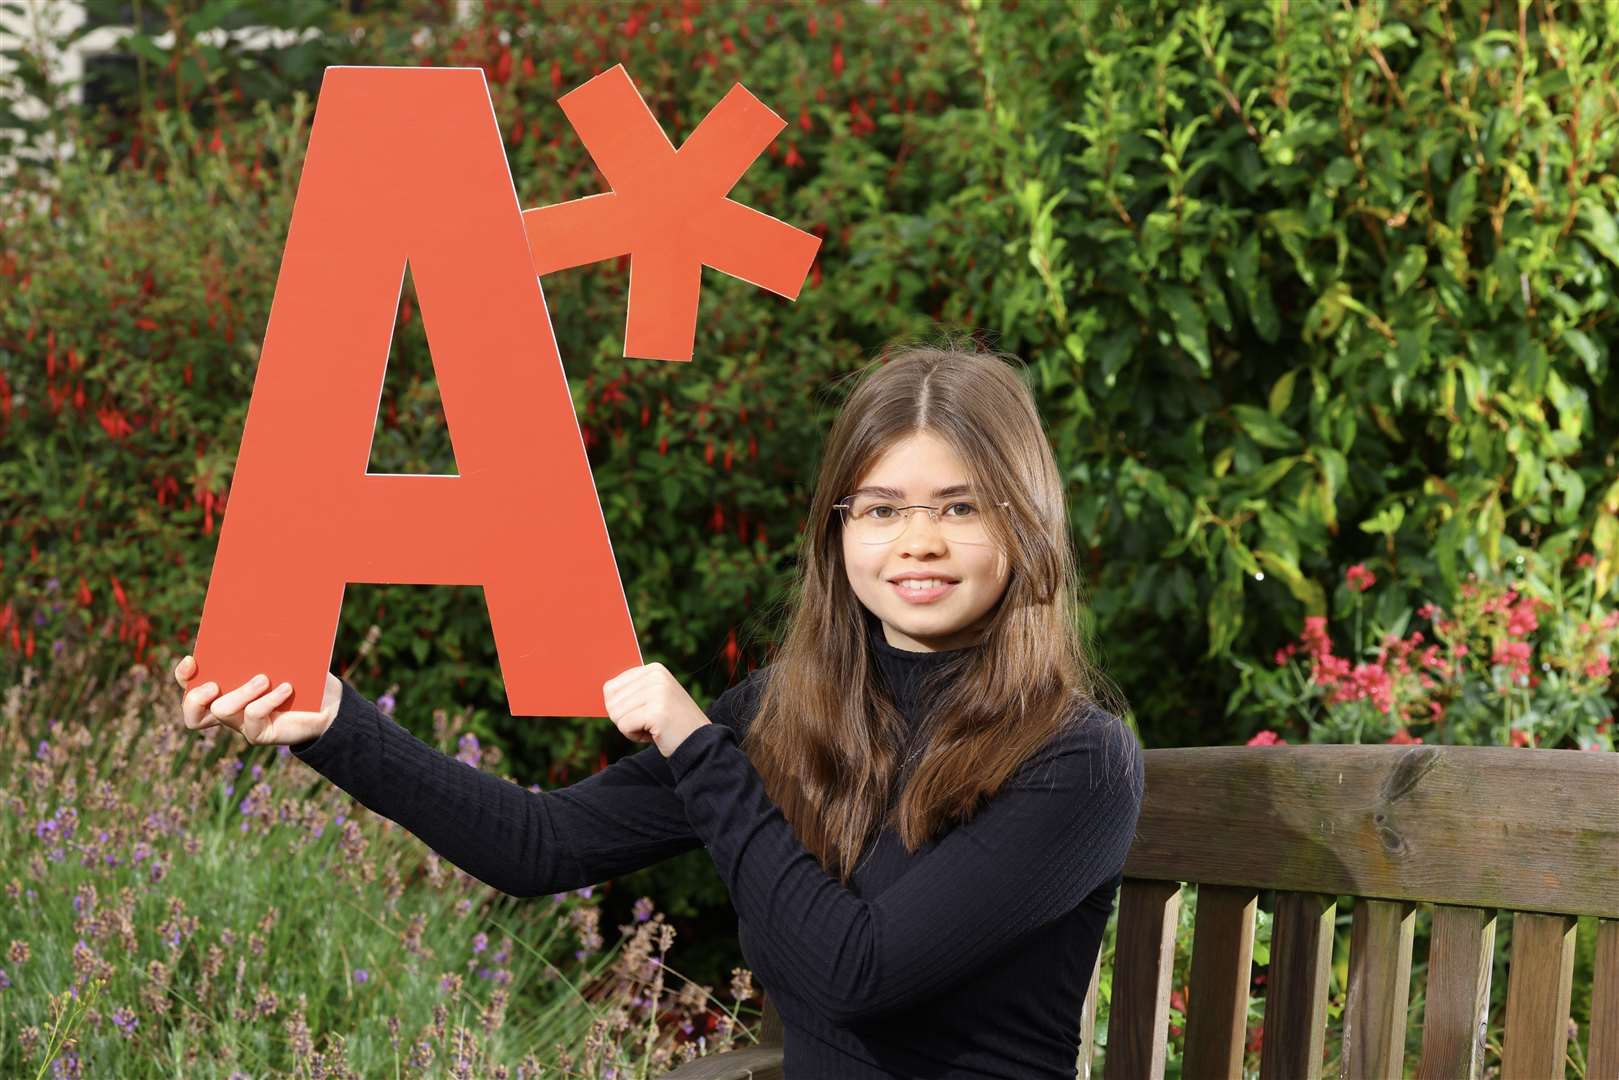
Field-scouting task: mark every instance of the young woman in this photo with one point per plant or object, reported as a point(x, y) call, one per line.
point(921, 806)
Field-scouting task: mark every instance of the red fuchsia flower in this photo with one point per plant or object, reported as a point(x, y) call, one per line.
point(1521, 618)
point(1285, 653)
point(1432, 659)
point(1360, 578)
point(1368, 681)
point(1402, 737)
point(1598, 668)
point(1267, 738)
point(1315, 637)
point(1520, 738)
point(1514, 655)
point(1585, 559)
point(1329, 670)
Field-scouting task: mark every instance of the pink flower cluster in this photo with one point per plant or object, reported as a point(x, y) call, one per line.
point(1413, 679)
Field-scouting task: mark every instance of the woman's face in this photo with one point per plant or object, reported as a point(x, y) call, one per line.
point(917, 467)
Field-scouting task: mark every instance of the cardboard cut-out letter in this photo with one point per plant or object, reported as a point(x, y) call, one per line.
point(668, 210)
point(407, 164)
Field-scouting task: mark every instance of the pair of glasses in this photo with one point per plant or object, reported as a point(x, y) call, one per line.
point(872, 520)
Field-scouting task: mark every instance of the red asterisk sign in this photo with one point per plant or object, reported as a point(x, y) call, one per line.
point(668, 210)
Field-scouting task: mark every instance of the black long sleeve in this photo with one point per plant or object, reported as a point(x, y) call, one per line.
point(521, 842)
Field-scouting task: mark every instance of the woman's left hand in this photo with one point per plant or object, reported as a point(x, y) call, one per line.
point(648, 705)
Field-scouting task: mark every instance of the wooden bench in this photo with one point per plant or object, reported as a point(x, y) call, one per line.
point(1473, 831)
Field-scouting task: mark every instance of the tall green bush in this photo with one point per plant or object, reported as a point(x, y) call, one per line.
point(1307, 286)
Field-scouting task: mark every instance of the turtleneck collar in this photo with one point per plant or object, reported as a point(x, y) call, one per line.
point(908, 673)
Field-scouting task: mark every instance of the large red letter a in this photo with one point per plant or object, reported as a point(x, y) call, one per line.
point(407, 164)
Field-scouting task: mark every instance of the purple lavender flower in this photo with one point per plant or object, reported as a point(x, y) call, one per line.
point(586, 891)
point(57, 646)
point(66, 1067)
point(386, 704)
point(535, 788)
point(39, 618)
point(361, 975)
point(470, 752)
point(230, 789)
point(5, 980)
point(42, 749)
point(643, 909)
point(258, 771)
point(52, 584)
point(126, 1020)
point(480, 941)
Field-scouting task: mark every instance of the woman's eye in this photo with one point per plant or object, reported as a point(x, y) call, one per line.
point(873, 512)
point(969, 509)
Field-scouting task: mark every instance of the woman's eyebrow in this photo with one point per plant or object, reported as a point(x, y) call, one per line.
point(895, 493)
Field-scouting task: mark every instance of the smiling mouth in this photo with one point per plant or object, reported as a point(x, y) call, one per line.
point(914, 594)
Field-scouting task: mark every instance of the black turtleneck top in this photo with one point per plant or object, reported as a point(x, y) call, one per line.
point(967, 959)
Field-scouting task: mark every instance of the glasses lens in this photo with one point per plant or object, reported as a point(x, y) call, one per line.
point(877, 521)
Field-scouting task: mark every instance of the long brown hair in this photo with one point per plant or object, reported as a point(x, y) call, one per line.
point(826, 737)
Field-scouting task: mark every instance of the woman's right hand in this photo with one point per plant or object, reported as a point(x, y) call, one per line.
point(250, 710)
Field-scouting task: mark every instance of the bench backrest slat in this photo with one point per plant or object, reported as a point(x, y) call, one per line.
point(1382, 934)
point(1540, 983)
point(1296, 990)
point(1138, 1025)
point(1461, 953)
point(1222, 960)
point(1602, 1057)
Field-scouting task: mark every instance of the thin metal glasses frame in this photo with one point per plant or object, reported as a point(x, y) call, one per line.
point(843, 509)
